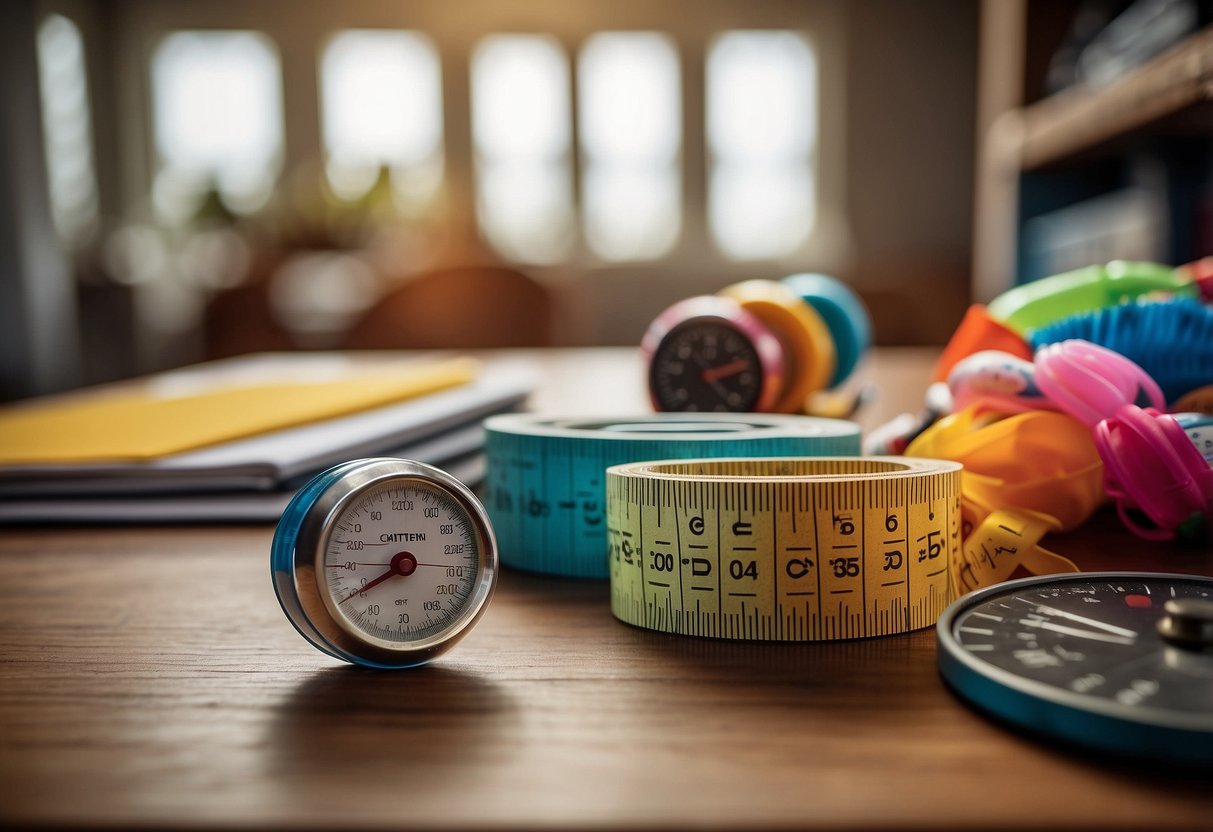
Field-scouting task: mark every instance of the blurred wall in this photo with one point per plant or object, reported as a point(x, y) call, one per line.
point(908, 115)
point(39, 348)
point(911, 124)
point(895, 163)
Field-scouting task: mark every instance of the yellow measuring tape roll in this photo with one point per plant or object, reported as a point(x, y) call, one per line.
point(783, 549)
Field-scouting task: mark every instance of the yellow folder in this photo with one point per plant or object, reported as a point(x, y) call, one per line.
point(148, 421)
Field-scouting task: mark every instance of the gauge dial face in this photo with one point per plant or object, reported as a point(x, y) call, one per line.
point(706, 365)
point(1133, 651)
point(401, 563)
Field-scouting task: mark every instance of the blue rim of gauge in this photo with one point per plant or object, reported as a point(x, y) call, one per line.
point(1120, 662)
point(384, 562)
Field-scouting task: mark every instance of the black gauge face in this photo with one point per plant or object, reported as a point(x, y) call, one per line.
point(1133, 653)
point(706, 365)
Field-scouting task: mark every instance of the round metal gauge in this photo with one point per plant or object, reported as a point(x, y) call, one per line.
point(1120, 662)
point(384, 563)
point(707, 354)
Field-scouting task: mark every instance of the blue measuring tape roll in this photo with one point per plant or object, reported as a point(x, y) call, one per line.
point(844, 314)
point(545, 489)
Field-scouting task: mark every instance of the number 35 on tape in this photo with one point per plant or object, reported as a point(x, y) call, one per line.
point(801, 549)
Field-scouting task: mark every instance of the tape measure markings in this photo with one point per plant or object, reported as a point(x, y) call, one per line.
point(545, 487)
point(844, 548)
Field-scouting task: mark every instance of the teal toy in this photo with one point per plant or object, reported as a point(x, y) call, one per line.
point(844, 314)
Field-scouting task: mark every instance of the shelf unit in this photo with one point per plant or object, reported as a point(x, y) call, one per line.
point(1145, 139)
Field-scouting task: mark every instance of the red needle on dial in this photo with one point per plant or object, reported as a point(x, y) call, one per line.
point(403, 564)
point(714, 374)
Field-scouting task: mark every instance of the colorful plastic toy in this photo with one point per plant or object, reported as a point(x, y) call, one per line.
point(1091, 382)
point(1039, 460)
point(1033, 305)
point(996, 380)
point(1199, 428)
point(1170, 339)
point(978, 331)
point(1154, 468)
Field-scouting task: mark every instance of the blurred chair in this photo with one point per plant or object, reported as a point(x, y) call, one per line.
point(473, 307)
point(240, 320)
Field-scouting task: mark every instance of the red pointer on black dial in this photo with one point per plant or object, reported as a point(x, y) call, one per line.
point(715, 374)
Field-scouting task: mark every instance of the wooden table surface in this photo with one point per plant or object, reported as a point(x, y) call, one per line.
point(149, 679)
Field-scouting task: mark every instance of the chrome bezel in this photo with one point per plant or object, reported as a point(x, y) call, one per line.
point(315, 530)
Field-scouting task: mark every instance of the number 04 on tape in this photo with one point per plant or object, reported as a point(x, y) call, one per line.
point(798, 549)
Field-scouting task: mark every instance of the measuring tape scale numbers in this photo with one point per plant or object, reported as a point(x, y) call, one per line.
point(545, 484)
point(783, 549)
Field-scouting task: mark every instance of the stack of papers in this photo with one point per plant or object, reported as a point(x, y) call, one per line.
point(233, 440)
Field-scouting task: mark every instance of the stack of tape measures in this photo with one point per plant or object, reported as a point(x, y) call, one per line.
point(748, 526)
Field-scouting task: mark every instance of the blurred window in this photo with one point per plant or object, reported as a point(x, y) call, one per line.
point(630, 129)
point(217, 117)
point(67, 128)
point(761, 131)
point(521, 131)
point(381, 96)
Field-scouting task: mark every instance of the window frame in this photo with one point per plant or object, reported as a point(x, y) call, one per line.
point(692, 263)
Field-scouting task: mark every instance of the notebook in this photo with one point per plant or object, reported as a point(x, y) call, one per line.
point(210, 405)
point(247, 475)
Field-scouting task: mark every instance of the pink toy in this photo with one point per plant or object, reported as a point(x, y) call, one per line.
point(1091, 382)
point(1150, 464)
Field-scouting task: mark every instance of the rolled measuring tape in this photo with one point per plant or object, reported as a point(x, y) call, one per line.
point(783, 549)
point(844, 314)
point(809, 354)
point(546, 479)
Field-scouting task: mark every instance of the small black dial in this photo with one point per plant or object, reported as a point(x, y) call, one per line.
point(706, 365)
point(708, 354)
